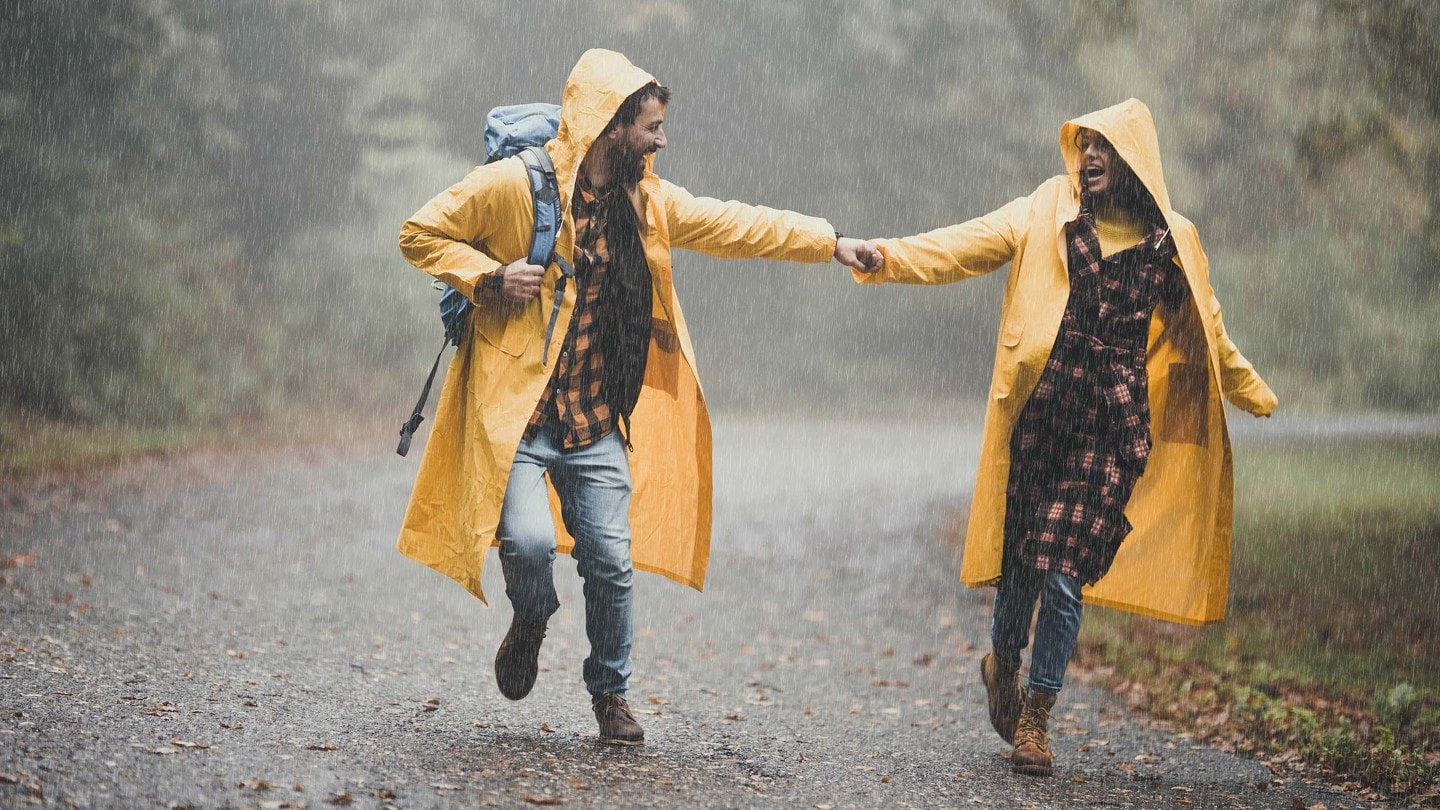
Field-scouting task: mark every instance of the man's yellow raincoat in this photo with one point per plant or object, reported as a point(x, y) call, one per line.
point(497, 376)
point(1175, 565)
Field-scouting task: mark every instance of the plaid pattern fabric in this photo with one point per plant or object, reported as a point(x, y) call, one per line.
point(572, 397)
point(1083, 437)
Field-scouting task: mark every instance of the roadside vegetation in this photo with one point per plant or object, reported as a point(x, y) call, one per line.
point(1326, 662)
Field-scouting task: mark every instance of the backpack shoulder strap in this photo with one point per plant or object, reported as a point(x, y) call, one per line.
point(545, 193)
point(545, 197)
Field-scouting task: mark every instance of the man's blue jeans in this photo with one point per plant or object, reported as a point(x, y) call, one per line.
point(594, 487)
point(1055, 631)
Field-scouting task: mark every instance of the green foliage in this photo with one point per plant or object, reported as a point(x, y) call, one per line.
point(163, 163)
point(1326, 655)
point(198, 201)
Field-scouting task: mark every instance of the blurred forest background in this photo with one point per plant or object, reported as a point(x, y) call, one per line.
point(199, 200)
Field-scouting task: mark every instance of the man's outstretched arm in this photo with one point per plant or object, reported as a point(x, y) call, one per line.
point(735, 230)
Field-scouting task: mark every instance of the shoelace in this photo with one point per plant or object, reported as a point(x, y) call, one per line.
point(1031, 720)
point(616, 706)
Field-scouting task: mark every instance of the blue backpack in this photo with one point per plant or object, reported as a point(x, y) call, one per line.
point(520, 129)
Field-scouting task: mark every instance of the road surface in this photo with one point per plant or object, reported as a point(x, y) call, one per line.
point(233, 630)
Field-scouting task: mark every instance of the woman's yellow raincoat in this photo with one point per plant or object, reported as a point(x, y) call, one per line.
point(1175, 565)
point(497, 376)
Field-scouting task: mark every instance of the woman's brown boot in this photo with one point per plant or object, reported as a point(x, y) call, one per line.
point(1032, 755)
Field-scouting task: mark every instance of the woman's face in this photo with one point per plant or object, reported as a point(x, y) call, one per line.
point(1101, 170)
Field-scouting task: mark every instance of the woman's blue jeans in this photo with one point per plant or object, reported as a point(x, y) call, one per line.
point(594, 487)
point(1055, 631)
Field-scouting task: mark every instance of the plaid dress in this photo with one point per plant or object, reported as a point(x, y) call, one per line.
point(1083, 437)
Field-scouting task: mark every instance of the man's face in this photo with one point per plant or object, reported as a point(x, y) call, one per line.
point(1101, 170)
point(633, 143)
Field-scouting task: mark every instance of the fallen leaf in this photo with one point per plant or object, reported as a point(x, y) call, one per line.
point(547, 801)
point(188, 744)
point(321, 747)
point(163, 750)
point(342, 797)
point(17, 560)
point(254, 784)
point(235, 653)
point(546, 728)
point(446, 786)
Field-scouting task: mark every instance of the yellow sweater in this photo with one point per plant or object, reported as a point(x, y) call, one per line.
point(1118, 233)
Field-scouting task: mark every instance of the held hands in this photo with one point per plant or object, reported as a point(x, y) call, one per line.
point(859, 254)
point(519, 283)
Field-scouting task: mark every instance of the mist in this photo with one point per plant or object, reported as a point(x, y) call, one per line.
point(200, 201)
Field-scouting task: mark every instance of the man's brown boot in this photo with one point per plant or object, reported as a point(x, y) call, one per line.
point(1032, 755)
point(1002, 687)
point(518, 660)
point(617, 724)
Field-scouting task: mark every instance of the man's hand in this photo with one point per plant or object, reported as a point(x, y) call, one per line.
point(859, 254)
point(519, 283)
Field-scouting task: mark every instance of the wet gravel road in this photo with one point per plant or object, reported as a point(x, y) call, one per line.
point(238, 630)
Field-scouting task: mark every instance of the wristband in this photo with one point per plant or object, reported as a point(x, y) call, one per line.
point(495, 280)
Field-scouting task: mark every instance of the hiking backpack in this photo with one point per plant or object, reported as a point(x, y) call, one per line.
point(520, 129)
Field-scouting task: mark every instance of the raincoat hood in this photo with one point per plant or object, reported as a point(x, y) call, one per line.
point(598, 84)
point(1130, 129)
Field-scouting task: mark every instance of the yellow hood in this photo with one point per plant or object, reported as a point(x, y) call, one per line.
point(598, 84)
point(1130, 129)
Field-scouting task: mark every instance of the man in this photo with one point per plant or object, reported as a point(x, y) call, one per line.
point(1110, 328)
point(618, 376)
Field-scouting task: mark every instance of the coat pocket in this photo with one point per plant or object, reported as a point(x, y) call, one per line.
point(1187, 405)
point(509, 333)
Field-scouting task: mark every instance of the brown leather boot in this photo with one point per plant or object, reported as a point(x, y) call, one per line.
point(518, 660)
point(1002, 687)
point(617, 724)
point(1032, 755)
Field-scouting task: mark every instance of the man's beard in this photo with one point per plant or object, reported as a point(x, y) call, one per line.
point(626, 166)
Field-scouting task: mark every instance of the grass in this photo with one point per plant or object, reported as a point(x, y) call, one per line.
point(1328, 657)
point(31, 445)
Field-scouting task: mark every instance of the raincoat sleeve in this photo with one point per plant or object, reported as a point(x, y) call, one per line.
point(974, 248)
point(734, 230)
point(441, 237)
point(1238, 379)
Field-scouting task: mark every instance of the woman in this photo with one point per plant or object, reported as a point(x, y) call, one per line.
point(1104, 422)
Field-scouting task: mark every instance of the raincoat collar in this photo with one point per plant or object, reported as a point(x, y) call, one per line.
point(1130, 129)
point(598, 84)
